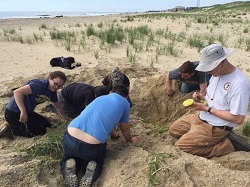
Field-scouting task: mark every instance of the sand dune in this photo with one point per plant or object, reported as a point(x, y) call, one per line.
point(146, 65)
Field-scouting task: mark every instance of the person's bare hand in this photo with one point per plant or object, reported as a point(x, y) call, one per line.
point(23, 117)
point(114, 135)
point(197, 96)
point(170, 92)
point(134, 140)
point(200, 106)
point(67, 119)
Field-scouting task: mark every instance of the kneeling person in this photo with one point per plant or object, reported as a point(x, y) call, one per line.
point(20, 111)
point(76, 96)
point(190, 78)
point(84, 142)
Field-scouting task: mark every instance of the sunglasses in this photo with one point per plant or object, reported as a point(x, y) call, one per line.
point(56, 84)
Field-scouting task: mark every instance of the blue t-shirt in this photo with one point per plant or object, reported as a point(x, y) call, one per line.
point(40, 94)
point(100, 117)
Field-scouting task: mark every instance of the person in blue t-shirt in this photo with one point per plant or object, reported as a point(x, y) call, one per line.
point(19, 112)
point(191, 79)
point(84, 141)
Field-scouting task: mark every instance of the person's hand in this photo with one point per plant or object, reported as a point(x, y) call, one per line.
point(134, 140)
point(170, 92)
point(114, 135)
point(67, 119)
point(23, 117)
point(197, 96)
point(200, 106)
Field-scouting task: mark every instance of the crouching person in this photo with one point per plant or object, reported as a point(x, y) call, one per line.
point(208, 132)
point(84, 142)
point(19, 113)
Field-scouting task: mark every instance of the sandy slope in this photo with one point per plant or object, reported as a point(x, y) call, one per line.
point(152, 112)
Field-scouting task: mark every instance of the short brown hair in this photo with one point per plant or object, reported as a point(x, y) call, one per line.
point(101, 90)
point(59, 74)
point(121, 90)
point(187, 67)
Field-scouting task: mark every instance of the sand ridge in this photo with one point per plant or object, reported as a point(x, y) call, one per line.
point(151, 115)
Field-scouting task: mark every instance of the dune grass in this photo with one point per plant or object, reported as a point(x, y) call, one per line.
point(246, 128)
point(50, 145)
point(157, 164)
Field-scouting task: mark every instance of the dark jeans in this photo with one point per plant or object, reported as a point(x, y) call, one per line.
point(83, 153)
point(186, 88)
point(36, 124)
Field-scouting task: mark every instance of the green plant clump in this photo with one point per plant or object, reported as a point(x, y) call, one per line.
point(51, 146)
point(246, 129)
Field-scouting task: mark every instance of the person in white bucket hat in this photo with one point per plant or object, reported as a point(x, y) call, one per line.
point(212, 56)
point(206, 133)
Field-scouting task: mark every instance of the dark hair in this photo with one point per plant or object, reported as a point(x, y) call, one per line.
point(59, 74)
point(101, 90)
point(121, 90)
point(187, 67)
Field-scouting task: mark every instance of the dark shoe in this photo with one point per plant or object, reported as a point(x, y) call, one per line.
point(70, 174)
point(6, 132)
point(78, 64)
point(238, 143)
point(86, 180)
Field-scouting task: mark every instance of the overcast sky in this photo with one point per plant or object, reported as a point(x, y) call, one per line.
point(100, 5)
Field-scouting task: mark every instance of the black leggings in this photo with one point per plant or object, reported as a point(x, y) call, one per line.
point(36, 125)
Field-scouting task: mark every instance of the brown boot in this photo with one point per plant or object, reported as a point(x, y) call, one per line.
point(6, 132)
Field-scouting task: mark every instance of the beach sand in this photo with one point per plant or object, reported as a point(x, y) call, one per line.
point(152, 113)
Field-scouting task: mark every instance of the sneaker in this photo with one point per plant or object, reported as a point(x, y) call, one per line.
point(6, 132)
point(70, 174)
point(86, 180)
point(238, 143)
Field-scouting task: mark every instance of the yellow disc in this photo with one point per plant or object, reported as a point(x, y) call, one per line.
point(204, 102)
point(188, 102)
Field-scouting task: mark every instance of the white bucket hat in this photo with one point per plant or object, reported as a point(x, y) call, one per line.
point(211, 56)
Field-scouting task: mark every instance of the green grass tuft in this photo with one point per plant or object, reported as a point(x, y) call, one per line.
point(50, 146)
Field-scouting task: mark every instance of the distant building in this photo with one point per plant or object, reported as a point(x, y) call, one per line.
point(191, 8)
point(179, 8)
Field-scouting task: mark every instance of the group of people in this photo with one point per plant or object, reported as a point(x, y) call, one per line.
point(94, 112)
point(208, 133)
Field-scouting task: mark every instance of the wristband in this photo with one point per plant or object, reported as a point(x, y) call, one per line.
point(209, 110)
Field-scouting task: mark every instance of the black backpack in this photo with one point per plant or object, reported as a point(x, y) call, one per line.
point(63, 62)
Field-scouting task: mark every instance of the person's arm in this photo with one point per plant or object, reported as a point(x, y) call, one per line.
point(106, 81)
point(203, 80)
point(60, 110)
point(225, 115)
point(18, 96)
point(128, 87)
point(125, 129)
point(203, 88)
point(126, 82)
point(170, 91)
point(198, 96)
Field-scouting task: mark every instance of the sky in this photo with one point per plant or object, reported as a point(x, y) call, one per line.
point(101, 5)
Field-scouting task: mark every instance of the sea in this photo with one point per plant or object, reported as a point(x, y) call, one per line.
point(23, 14)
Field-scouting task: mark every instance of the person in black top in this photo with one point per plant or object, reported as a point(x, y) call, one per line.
point(76, 96)
point(116, 78)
